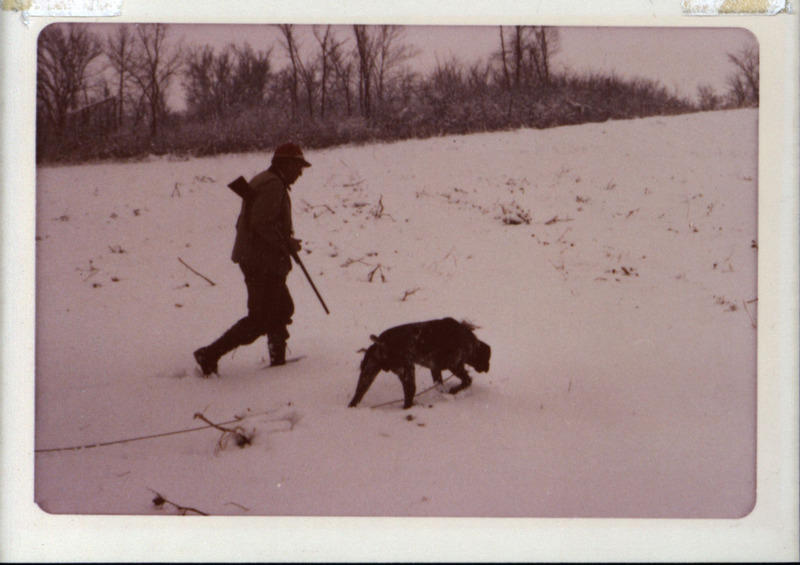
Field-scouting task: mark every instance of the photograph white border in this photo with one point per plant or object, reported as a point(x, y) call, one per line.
point(769, 533)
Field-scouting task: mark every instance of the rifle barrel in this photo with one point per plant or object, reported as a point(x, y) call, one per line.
point(241, 187)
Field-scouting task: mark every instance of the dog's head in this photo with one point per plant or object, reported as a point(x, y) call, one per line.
point(481, 353)
point(375, 357)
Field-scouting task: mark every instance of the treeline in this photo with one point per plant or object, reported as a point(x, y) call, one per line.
point(106, 97)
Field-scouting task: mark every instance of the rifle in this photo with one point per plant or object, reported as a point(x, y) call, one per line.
point(241, 187)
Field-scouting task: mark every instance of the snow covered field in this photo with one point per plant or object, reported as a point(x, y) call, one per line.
point(611, 267)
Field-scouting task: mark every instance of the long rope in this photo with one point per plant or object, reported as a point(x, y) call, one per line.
point(415, 396)
point(129, 440)
point(165, 434)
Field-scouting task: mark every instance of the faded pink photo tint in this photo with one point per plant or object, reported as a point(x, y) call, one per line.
point(584, 200)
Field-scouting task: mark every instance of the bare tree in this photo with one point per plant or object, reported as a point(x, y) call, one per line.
point(198, 80)
point(222, 85)
point(325, 39)
point(379, 52)
point(543, 45)
point(155, 63)
point(526, 54)
point(119, 49)
point(308, 76)
point(518, 48)
point(390, 53)
point(505, 65)
point(252, 75)
point(444, 89)
point(63, 61)
point(707, 98)
point(743, 83)
point(300, 72)
point(365, 52)
point(216, 84)
point(290, 44)
point(343, 67)
point(512, 54)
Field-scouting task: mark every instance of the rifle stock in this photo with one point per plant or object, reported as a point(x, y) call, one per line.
point(241, 187)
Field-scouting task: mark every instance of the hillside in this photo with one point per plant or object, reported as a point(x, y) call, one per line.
point(611, 267)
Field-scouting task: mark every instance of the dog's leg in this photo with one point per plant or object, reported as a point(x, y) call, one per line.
point(436, 373)
point(466, 380)
point(364, 382)
point(407, 377)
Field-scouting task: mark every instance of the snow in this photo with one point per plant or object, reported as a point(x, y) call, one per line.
point(621, 318)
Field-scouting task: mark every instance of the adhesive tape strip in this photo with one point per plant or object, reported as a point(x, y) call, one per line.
point(728, 7)
point(71, 8)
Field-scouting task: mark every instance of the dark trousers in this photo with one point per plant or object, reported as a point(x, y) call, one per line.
point(269, 311)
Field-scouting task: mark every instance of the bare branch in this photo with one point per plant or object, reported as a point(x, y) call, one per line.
point(208, 280)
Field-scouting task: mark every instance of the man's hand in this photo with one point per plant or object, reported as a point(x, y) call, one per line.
point(294, 244)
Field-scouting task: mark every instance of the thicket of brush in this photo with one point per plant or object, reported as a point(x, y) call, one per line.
point(436, 108)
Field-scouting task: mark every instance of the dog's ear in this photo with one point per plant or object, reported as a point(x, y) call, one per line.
point(375, 357)
point(469, 325)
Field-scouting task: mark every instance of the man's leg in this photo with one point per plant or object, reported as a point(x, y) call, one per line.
point(272, 307)
point(243, 332)
point(277, 332)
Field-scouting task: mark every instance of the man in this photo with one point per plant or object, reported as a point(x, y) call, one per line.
point(262, 250)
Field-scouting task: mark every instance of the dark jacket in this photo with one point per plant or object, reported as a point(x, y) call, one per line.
point(264, 225)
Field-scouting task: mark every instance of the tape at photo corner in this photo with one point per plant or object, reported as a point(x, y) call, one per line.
point(734, 7)
point(64, 8)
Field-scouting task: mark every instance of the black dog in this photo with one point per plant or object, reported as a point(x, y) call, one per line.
point(436, 344)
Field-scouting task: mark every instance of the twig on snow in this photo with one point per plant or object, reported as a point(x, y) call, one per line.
point(325, 208)
point(378, 210)
point(351, 261)
point(409, 293)
point(205, 278)
point(449, 256)
point(555, 219)
point(238, 434)
point(159, 501)
point(245, 508)
point(379, 270)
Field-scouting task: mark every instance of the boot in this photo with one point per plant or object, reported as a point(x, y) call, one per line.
point(241, 333)
point(277, 352)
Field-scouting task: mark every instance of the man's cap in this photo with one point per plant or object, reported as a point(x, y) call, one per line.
point(290, 151)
